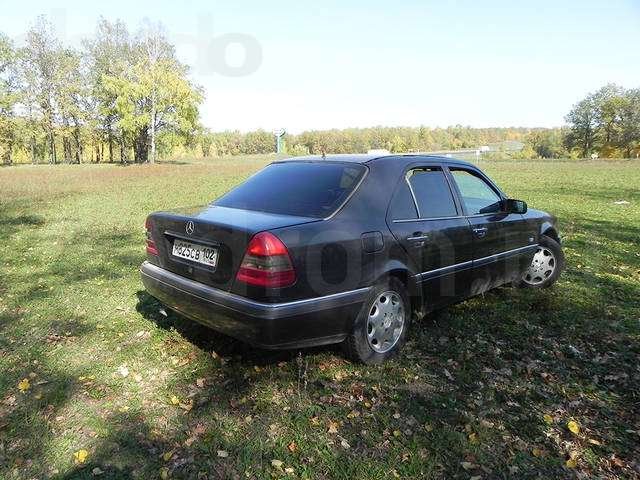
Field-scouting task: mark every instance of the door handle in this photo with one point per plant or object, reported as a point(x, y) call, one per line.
point(416, 236)
point(480, 231)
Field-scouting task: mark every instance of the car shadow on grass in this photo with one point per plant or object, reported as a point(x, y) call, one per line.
point(214, 342)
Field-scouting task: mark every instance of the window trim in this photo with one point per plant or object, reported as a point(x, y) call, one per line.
point(477, 173)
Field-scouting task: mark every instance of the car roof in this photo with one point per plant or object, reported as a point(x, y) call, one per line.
point(369, 157)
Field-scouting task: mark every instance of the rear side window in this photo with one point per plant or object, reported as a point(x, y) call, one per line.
point(308, 189)
point(432, 193)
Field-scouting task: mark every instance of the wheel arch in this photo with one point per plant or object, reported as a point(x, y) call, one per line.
point(548, 230)
point(399, 271)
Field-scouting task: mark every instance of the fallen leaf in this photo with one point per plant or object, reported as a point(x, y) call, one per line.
point(537, 452)
point(292, 447)
point(223, 453)
point(345, 444)
point(428, 427)
point(573, 427)
point(289, 470)
point(80, 457)
point(24, 385)
point(200, 382)
point(593, 441)
point(571, 463)
point(473, 437)
point(164, 473)
point(548, 419)
point(166, 456)
point(97, 471)
point(124, 371)
point(174, 400)
point(617, 461)
point(333, 427)
point(314, 421)
point(276, 463)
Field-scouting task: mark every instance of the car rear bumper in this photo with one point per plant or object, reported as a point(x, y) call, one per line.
point(300, 323)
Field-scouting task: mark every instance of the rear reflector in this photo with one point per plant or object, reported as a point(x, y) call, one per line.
point(151, 245)
point(266, 263)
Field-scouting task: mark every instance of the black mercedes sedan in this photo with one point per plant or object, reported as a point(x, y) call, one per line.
point(346, 248)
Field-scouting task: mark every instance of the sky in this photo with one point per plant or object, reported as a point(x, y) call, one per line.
point(338, 64)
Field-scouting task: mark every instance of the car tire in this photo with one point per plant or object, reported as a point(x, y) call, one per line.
point(546, 266)
point(381, 327)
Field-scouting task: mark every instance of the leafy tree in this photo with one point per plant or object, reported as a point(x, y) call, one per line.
point(8, 98)
point(629, 135)
point(583, 122)
point(608, 102)
point(107, 54)
point(71, 95)
point(153, 97)
point(606, 121)
point(547, 143)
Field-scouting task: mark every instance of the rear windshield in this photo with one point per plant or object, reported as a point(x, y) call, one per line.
point(307, 189)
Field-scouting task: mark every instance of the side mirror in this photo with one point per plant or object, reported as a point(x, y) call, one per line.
point(515, 206)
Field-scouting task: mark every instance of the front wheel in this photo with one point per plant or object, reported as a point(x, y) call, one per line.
point(545, 268)
point(382, 324)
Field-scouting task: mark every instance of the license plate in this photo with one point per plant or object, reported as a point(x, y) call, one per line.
point(195, 253)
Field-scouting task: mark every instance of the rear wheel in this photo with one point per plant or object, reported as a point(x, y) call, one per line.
point(545, 268)
point(381, 327)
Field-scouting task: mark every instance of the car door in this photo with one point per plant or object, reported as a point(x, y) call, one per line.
point(501, 241)
point(428, 222)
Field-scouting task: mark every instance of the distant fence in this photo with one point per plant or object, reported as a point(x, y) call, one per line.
point(484, 150)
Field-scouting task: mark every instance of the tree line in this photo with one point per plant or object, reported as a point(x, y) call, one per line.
point(606, 123)
point(120, 97)
point(359, 140)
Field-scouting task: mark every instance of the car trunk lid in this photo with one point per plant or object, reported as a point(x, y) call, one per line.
point(216, 231)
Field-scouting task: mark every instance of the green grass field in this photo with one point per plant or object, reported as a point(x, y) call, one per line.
point(485, 389)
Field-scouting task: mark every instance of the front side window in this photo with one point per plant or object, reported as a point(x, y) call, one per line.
point(432, 193)
point(477, 195)
point(307, 189)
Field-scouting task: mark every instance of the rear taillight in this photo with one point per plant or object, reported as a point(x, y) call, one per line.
point(151, 245)
point(266, 263)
